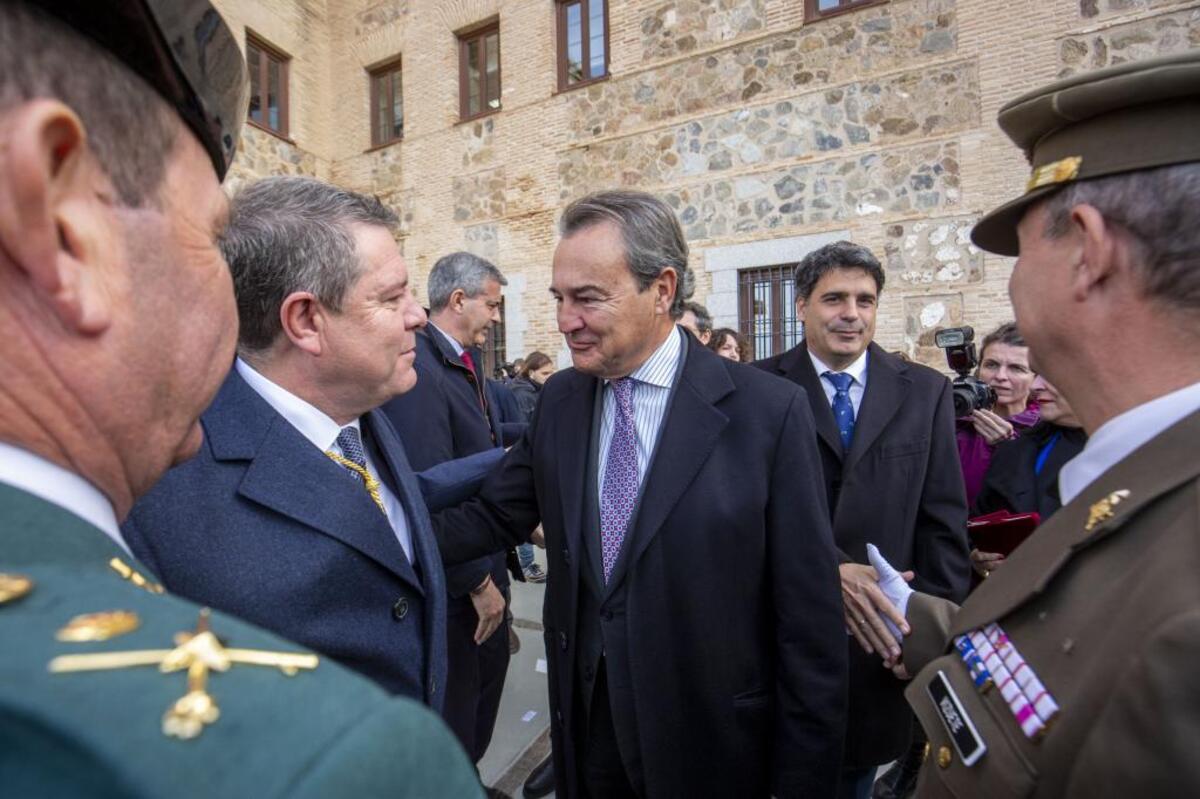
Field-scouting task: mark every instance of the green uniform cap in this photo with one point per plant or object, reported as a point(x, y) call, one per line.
point(1139, 115)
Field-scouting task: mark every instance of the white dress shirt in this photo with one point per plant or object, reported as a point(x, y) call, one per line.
point(459, 349)
point(651, 391)
point(22, 469)
point(1121, 435)
point(323, 431)
point(857, 372)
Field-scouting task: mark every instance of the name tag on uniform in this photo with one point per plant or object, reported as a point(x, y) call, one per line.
point(958, 724)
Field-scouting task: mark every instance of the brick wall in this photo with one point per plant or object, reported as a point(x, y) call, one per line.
point(756, 126)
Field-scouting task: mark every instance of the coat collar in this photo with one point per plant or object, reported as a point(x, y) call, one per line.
point(1101, 510)
point(287, 474)
point(797, 366)
point(887, 386)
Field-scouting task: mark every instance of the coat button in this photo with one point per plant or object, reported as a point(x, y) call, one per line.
point(606, 615)
point(433, 685)
point(945, 758)
point(589, 673)
point(562, 641)
point(400, 609)
point(566, 556)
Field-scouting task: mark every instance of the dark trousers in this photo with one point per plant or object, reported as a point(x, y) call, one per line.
point(474, 678)
point(602, 773)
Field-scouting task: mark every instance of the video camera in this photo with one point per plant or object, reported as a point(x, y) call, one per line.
point(970, 393)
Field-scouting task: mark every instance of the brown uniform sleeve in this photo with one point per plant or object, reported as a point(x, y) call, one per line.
point(930, 618)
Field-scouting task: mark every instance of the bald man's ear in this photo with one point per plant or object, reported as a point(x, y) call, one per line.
point(56, 225)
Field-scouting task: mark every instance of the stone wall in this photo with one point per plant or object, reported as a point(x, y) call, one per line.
point(767, 134)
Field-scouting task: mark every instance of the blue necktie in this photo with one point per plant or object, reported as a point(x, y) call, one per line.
point(843, 408)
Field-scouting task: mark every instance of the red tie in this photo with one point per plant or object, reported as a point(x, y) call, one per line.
point(469, 362)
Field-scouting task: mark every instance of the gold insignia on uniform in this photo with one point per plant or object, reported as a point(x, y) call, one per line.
point(1059, 171)
point(99, 626)
point(198, 652)
point(1102, 511)
point(945, 757)
point(127, 572)
point(13, 587)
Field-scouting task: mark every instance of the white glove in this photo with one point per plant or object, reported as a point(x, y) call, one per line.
point(893, 585)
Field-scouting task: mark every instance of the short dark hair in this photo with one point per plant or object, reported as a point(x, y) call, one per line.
point(289, 234)
point(704, 320)
point(1007, 333)
point(838, 255)
point(652, 236)
point(130, 128)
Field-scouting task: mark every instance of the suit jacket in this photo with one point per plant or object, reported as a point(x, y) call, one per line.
point(439, 420)
point(899, 487)
point(325, 732)
point(722, 620)
point(263, 525)
point(1105, 609)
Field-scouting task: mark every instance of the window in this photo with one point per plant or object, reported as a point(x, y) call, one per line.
point(582, 42)
point(495, 350)
point(819, 9)
point(268, 70)
point(387, 105)
point(767, 309)
point(479, 72)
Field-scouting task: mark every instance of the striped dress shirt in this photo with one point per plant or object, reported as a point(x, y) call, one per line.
point(651, 392)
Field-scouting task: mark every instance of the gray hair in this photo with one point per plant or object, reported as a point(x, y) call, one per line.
point(289, 234)
point(460, 270)
point(838, 255)
point(1160, 210)
point(704, 320)
point(653, 239)
point(42, 57)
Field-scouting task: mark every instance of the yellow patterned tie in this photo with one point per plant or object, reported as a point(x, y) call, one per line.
point(354, 460)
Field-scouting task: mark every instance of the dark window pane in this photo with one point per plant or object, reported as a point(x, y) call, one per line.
point(473, 77)
point(253, 66)
point(492, 42)
point(574, 44)
point(273, 109)
point(596, 37)
point(398, 106)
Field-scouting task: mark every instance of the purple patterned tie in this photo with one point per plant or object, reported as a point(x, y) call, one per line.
point(620, 487)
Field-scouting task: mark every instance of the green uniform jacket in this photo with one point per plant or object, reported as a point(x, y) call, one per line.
point(1109, 620)
point(321, 733)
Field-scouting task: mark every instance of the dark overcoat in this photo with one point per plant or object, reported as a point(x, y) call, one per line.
point(899, 487)
point(722, 620)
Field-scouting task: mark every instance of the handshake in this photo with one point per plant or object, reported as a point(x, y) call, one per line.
point(876, 605)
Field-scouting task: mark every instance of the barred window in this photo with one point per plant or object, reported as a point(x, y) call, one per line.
point(767, 309)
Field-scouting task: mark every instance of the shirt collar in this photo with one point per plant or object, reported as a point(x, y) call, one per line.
point(1121, 435)
point(311, 421)
point(659, 369)
point(458, 348)
point(856, 370)
point(22, 469)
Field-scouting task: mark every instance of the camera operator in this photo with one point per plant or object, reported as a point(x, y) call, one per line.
point(1004, 368)
point(1023, 476)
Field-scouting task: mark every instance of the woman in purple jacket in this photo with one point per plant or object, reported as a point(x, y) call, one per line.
point(1003, 365)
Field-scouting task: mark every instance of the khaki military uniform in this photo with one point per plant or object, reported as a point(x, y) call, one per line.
point(323, 732)
point(1103, 604)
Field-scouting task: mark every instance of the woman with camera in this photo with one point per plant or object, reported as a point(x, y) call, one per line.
point(1004, 367)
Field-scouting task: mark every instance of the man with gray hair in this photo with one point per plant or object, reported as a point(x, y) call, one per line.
point(117, 326)
point(448, 415)
point(692, 617)
point(696, 319)
point(301, 511)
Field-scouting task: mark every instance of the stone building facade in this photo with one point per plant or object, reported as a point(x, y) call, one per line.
point(767, 133)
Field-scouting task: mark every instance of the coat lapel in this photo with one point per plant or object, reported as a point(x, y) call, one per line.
point(885, 393)
point(691, 427)
point(287, 474)
point(571, 440)
point(1158, 467)
point(419, 527)
point(796, 366)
